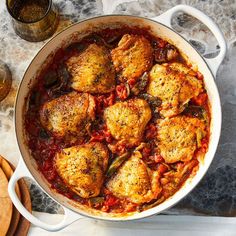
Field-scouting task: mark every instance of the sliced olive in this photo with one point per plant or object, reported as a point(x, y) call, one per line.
point(77, 198)
point(141, 84)
point(160, 55)
point(34, 98)
point(64, 77)
point(60, 187)
point(50, 79)
point(63, 73)
point(62, 84)
point(76, 47)
point(194, 111)
point(154, 102)
point(99, 40)
point(43, 134)
point(165, 54)
point(117, 163)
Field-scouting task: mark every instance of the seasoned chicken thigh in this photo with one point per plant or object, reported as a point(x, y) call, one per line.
point(127, 120)
point(174, 85)
point(92, 70)
point(181, 68)
point(67, 115)
point(132, 57)
point(179, 137)
point(82, 168)
point(135, 181)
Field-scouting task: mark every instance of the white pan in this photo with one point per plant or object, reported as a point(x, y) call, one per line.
point(160, 26)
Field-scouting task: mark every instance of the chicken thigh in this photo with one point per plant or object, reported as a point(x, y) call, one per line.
point(179, 137)
point(127, 120)
point(135, 181)
point(132, 57)
point(82, 168)
point(67, 115)
point(92, 70)
point(174, 85)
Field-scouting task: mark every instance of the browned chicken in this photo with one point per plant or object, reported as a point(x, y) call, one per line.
point(175, 85)
point(135, 181)
point(82, 168)
point(132, 57)
point(127, 120)
point(92, 70)
point(68, 115)
point(178, 137)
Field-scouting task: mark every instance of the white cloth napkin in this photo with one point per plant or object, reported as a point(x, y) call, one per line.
point(157, 225)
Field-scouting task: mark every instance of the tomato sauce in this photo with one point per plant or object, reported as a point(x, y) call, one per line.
point(44, 145)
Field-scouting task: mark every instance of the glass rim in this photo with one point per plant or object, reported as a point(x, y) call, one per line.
point(28, 22)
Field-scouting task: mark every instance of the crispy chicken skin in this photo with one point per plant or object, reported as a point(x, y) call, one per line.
point(135, 181)
point(92, 70)
point(67, 115)
point(178, 137)
point(82, 168)
point(174, 85)
point(127, 120)
point(132, 57)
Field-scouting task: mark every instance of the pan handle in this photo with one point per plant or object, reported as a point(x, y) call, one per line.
point(22, 171)
point(215, 62)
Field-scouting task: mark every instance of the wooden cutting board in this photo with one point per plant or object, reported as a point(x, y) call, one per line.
point(24, 225)
point(5, 205)
point(8, 171)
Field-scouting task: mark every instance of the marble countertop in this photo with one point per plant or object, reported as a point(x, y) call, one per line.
point(216, 193)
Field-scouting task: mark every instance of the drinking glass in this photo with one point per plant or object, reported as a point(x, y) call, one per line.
point(33, 20)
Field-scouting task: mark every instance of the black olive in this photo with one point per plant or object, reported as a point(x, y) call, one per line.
point(194, 111)
point(43, 134)
point(60, 187)
point(160, 55)
point(154, 102)
point(141, 84)
point(79, 47)
point(62, 85)
point(34, 98)
point(77, 198)
point(165, 54)
point(64, 77)
point(50, 79)
point(63, 74)
point(95, 38)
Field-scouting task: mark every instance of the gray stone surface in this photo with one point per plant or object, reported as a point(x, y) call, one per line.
point(216, 194)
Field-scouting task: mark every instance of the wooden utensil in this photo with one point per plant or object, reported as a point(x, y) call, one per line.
point(5, 204)
point(8, 171)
